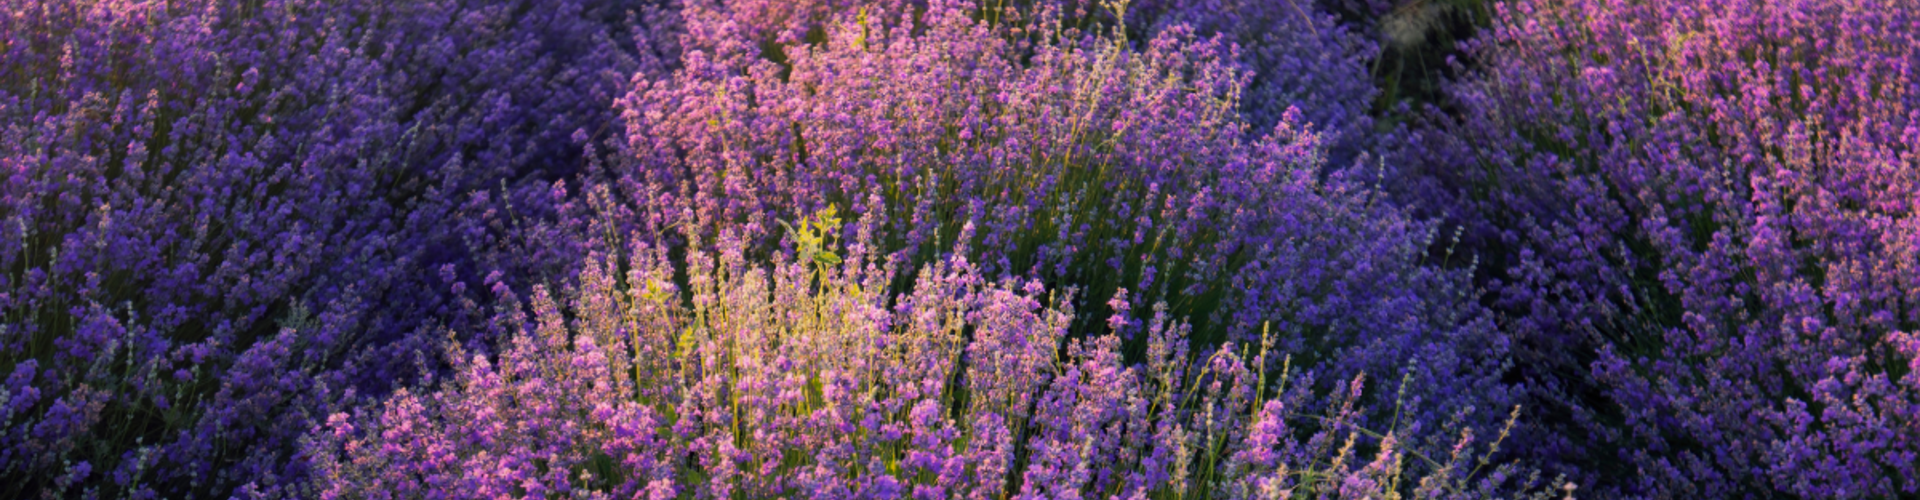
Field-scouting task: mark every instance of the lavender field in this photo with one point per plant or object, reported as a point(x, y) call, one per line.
point(980, 249)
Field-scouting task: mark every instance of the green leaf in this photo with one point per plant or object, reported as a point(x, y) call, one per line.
point(685, 344)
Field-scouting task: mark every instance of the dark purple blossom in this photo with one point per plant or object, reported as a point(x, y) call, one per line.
point(1701, 217)
point(219, 215)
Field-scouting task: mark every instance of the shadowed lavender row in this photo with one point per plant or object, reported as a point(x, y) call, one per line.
point(1702, 220)
point(218, 215)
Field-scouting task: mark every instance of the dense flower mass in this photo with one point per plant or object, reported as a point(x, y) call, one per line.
point(1078, 160)
point(1294, 56)
point(806, 378)
point(182, 181)
point(1705, 216)
point(959, 249)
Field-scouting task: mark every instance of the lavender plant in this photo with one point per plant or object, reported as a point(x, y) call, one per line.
point(805, 378)
point(1295, 58)
point(222, 221)
point(1081, 162)
point(1703, 220)
point(180, 177)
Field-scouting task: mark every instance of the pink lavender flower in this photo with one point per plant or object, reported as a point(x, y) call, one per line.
point(794, 377)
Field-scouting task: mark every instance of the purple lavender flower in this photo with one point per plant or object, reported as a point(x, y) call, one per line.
point(1700, 218)
point(218, 217)
point(791, 377)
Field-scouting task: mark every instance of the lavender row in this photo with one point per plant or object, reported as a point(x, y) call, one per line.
point(803, 377)
point(1701, 217)
point(219, 215)
point(1168, 249)
point(987, 160)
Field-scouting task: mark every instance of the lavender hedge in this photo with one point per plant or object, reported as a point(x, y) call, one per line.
point(1703, 221)
point(997, 162)
point(957, 248)
point(806, 378)
point(219, 215)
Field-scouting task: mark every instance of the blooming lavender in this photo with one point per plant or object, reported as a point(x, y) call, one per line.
point(218, 215)
point(1296, 58)
point(914, 365)
point(805, 378)
point(957, 249)
point(1701, 220)
point(1079, 160)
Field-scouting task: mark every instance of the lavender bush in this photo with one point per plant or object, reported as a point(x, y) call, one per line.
point(1080, 160)
point(806, 378)
point(820, 375)
point(1295, 57)
point(1702, 216)
point(1148, 249)
point(214, 213)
